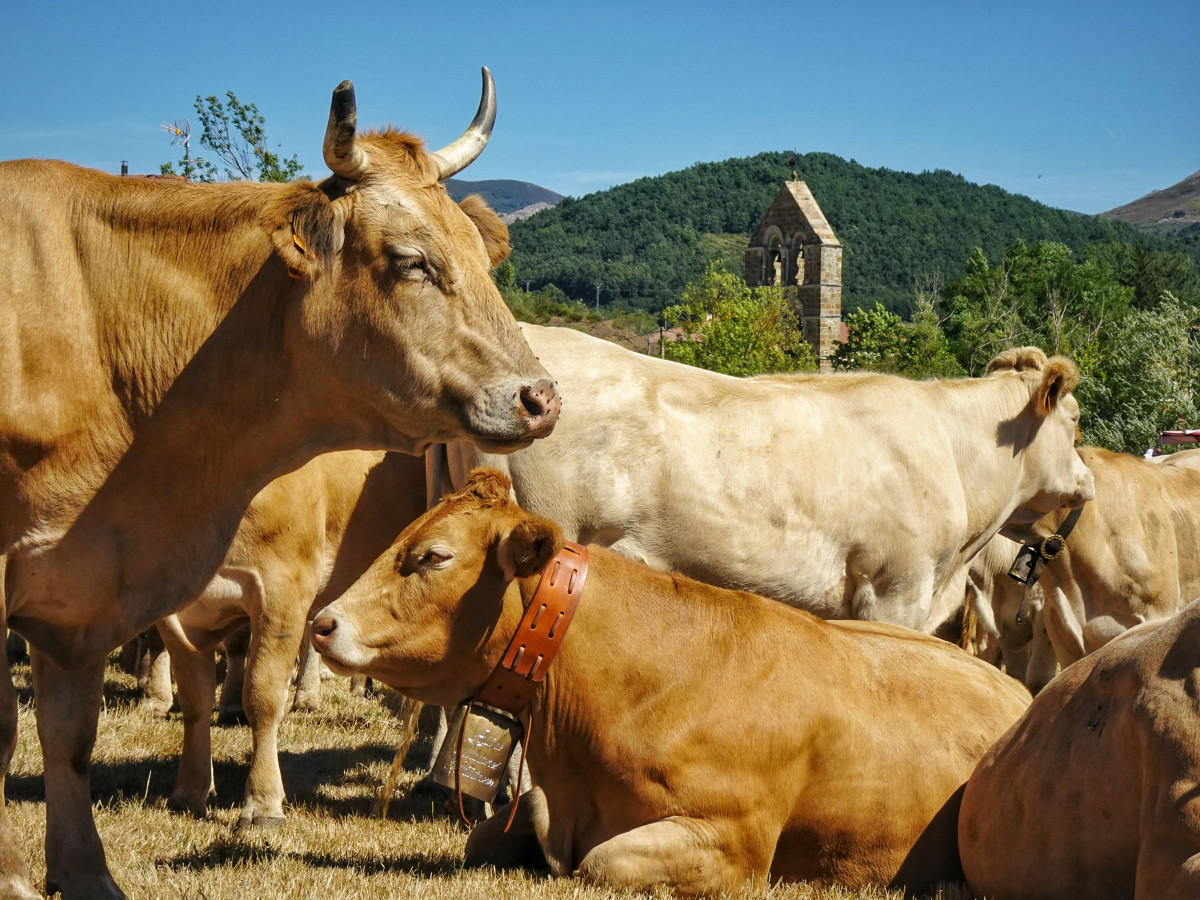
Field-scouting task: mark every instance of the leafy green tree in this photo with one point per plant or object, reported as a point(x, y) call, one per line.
point(984, 318)
point(731, 328)
point(646, 239)
point(505, 276)
point(1149, 273)
point(874, 340)
point(879, 340)
point(1144, 379)
point(927, 352)
point(236, 134)
point(1039, 294)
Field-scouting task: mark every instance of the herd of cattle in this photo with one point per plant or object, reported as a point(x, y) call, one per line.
point(305, 407)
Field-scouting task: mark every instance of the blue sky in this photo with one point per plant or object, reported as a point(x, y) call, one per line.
point(1081, 105)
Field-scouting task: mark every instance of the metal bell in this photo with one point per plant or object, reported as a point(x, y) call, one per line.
point(486, 736)
point(1027, 567)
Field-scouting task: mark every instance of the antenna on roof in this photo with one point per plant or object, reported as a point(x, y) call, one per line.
point(180, 131)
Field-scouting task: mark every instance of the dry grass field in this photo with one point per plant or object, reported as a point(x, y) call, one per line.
point(334, 762)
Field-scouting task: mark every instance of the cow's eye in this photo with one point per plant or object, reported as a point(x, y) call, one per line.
point(436, 558)
point(408, 264)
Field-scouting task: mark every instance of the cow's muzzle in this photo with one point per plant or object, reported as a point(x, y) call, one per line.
point(541, 404)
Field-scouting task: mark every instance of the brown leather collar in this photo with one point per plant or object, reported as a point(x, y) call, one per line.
point(511, 685)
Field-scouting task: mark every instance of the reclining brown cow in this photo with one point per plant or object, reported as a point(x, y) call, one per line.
point(1095, 792)
point(685, 734)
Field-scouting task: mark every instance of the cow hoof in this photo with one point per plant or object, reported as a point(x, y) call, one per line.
point(258, 824)
point(88, 887)
point(154, 709)
point(307, 701)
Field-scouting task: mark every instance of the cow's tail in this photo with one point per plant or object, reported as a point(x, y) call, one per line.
point(982, 630)
point(172, 626)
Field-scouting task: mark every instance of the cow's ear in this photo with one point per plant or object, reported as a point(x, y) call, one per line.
point(531, 544)
point(1059, 377)
point(493, 231)
point(308, 230)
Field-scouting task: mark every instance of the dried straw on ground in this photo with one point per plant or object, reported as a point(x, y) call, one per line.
point(333, 762)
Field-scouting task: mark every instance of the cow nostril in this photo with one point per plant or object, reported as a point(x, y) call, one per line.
point(324, 627)
point(533, 402)
point(540, 400)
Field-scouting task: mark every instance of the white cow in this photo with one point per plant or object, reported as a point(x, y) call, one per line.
point(1133, 556)
point(850, 495)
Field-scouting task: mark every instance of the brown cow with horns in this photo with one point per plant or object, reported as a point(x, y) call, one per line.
point(167, 349)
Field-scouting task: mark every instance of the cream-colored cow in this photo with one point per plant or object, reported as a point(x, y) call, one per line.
point(306, 538)
point(1095, 792)
point(167, 349)
point(849, 495)
point(684, 734)
point(1134, 554)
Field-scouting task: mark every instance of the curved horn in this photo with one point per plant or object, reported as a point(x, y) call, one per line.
point(342, 157)
point(455, 157)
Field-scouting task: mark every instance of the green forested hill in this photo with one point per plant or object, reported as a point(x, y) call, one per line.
point(644, 240)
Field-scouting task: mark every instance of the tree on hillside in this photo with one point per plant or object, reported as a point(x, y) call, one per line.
point(731, 328)
point(1113, 311)
point(236, 134)
point(646, 239)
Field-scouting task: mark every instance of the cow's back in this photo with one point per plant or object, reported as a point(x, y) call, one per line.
point(781, 485)
point(1097, 778)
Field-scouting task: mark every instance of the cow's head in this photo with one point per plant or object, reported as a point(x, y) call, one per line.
point(434, 613)
point(1043, 435)
point(398, 301)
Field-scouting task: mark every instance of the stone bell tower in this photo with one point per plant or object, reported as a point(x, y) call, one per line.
point(794, 246)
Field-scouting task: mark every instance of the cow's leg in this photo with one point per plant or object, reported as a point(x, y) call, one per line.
point(1063, 626)
point(695, 856)
point(308, 678)
point(1100, 630)
point(230, 710)
point(14, 875)
point(196, 680)
point(493, 842)
point(154, 676)
point(277, 633)
point(68, 707)
point(1043, 663)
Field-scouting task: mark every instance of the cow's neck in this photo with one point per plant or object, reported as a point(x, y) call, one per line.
point(633, 634)
point(211, 413)
point(990, 469)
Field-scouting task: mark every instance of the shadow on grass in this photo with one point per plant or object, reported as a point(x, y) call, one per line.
point(304, 776)
point(233, 851)
point(119, 694)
